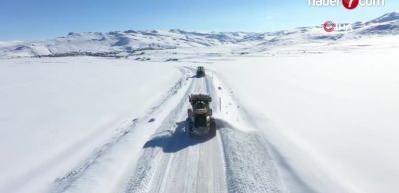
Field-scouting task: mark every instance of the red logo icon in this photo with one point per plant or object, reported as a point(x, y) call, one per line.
point(329, 26)
point(350, 4)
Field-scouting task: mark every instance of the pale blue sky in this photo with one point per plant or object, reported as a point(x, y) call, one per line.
point(42, 19)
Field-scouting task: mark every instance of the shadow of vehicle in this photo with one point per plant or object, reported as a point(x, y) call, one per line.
point(173, 141)
point(195, 76)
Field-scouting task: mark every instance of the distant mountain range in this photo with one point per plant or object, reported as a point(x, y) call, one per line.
point(131, 42)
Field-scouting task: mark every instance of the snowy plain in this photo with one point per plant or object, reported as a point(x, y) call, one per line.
point(332, 115)
point(54, 111)
point(298, 111)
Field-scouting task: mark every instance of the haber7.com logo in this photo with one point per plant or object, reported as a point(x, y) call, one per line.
point(348, 4)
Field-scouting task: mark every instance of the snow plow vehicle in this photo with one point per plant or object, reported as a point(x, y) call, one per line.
point(199, 120)
point(200, 72)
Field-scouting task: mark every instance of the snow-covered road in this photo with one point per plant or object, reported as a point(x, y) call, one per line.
point(154, 154)
point(173, 162)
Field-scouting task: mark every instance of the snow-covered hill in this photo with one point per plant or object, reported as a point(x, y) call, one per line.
point(130, 42)
point(121, 43)
point(387, 24)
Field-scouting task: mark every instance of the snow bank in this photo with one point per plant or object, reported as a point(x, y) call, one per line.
point(55, 111)
point(336, 112)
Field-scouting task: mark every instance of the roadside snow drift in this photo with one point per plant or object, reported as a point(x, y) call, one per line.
point(55, 111)
point(333, 117)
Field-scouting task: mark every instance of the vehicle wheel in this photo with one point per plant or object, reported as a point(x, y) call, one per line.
point(189, 128)
point(189, 113)
point(190, 134)
point(213, 127)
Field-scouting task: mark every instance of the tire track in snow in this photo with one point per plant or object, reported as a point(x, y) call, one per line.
point(149, 173)
point(174, 162)
point(79, 175)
